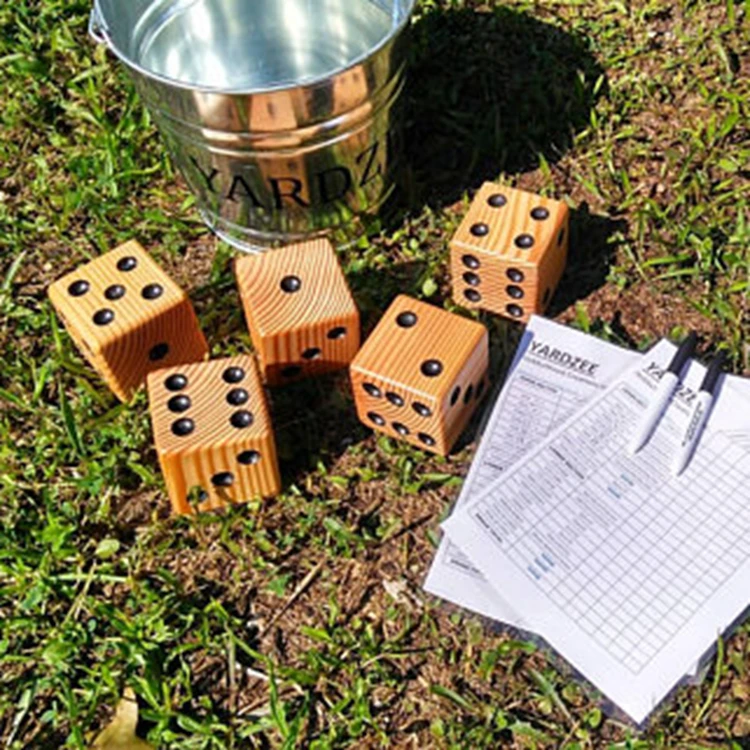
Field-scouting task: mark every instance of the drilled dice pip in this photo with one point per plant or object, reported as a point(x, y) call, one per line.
point(421, 374)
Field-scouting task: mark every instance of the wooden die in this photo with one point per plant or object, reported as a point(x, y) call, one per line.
point(510, 252)
point(128, 317)
point(213, 434)
point(421, 374)
point(302, 317)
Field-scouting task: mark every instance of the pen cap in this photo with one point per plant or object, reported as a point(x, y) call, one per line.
point(683, 354)
point(714, 372)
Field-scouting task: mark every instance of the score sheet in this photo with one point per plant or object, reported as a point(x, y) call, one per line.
point(629, 573)
point(555, 372)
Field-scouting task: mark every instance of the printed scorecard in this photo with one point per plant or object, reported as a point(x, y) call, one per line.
point(629, 573)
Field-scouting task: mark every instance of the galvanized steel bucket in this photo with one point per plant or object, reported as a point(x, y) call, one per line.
point(281, 114)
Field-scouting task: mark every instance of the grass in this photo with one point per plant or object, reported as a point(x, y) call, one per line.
point(301, 622)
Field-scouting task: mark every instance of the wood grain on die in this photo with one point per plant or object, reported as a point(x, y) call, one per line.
point(509, 252)
point(405, 374)
point(128, 317)
point(213, 433)
point(301, 314)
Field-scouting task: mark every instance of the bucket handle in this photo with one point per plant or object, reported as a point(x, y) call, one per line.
point(97, 30)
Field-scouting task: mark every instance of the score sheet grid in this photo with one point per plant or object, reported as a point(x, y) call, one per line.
point(536, 408)
point(631, 576)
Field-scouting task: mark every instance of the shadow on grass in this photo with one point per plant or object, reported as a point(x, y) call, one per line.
point(593, 247)
point(489, 92)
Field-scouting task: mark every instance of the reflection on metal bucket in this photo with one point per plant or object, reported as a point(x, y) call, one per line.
point(281, 114)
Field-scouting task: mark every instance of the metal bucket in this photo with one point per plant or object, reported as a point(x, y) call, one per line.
point(281, 114)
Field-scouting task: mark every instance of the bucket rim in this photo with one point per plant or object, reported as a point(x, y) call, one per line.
point(98, 29)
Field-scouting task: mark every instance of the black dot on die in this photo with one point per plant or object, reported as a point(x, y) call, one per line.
point(472, 279)
point(176, 382)
point(426, 439)
point(127, 264)
point(224, 479)
point(524, 241)
point(291, 372)
point(114, 292)
point(407, 320)
point(515, 275)
point(455, 395)
point(183, 427)
point(480, 229)
point(242, 419)
point(249, 458)
point(179, 404)
point(498, 200)
point(376, 419)
point(103, 317)
point(152, 291)
point(471, 261)
point(158, 352)
point(469, 394)
point(78, 288)
point(312, 353)
point(515, 311)
point(394, 398)
point(372, 390)
point(421, 409)
point(539, 213)
point(473, 295)
point(291, 284)
point(337, 333)
point(515, 292)
point(233, 375)
point(401, 429)
point(238, 397)
point(431, 368)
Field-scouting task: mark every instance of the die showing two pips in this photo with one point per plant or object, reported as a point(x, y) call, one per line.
point(421, 374)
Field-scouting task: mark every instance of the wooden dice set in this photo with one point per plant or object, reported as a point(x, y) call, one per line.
point(418, 377)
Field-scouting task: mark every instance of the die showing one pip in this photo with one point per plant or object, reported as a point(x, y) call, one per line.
point(128, 317)
point(213, 434)
point(510, 251)
point(302, 317)
point(421, 374)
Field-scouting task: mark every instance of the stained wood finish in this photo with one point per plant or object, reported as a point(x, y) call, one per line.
point(391, 387)
point(212, 395)
point(485, 268)
point(152, 323)
point(302, 317)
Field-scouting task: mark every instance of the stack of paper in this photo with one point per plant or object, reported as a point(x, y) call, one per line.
point(629, 573)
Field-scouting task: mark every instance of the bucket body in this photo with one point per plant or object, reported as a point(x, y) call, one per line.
point(282, 115)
